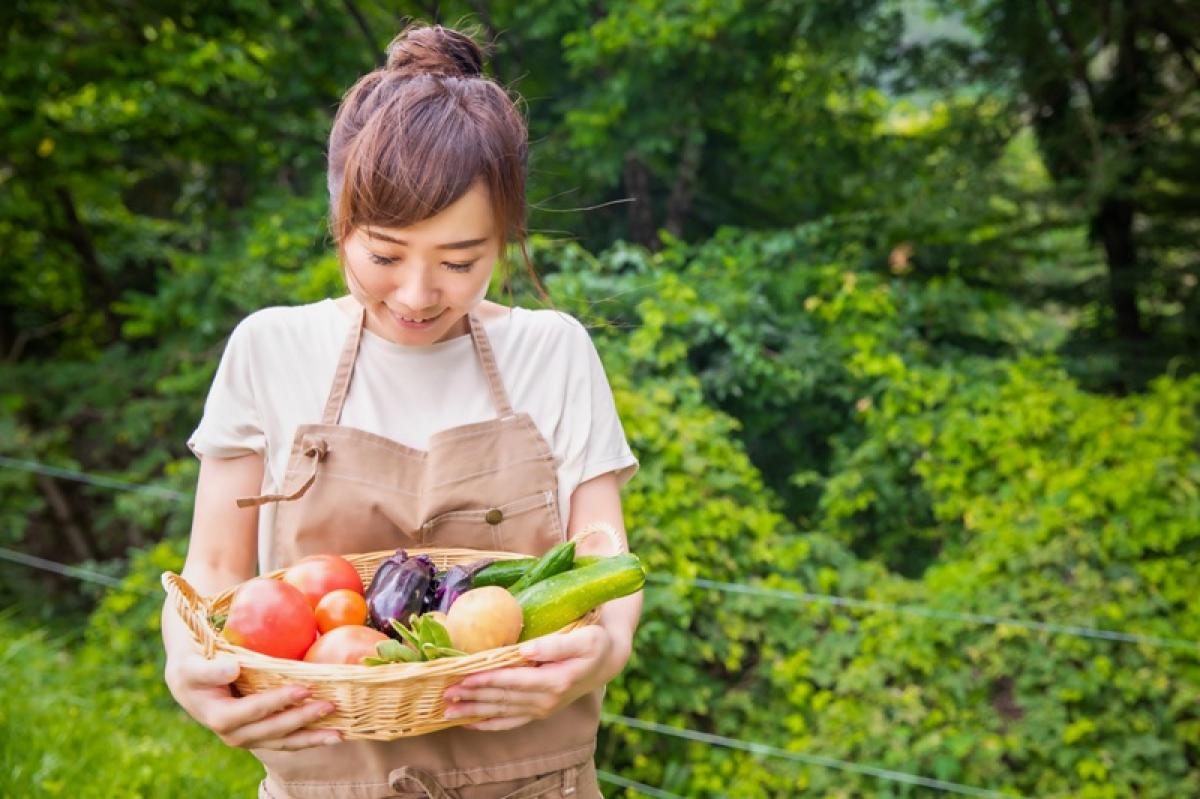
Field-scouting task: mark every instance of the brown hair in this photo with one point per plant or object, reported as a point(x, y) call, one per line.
point(411, 137)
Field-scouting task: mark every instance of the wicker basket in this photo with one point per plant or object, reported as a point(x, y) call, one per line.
point(378, 703)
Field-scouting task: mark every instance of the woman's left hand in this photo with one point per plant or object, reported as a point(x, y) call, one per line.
point(568, 665)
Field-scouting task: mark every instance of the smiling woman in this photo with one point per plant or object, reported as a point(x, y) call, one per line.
point(414, 412)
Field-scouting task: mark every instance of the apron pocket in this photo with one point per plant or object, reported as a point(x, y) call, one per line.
point(531, 518)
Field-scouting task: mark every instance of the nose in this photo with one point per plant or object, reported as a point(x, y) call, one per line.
point(416, 289)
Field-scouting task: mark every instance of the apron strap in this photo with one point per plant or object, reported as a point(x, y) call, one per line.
point(423, 779)
point(345, 370)
point(428, 786)
point(483, 348)
point(316, 449)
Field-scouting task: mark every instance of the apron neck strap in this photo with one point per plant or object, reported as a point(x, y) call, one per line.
point(345, 370)
point(483, 348)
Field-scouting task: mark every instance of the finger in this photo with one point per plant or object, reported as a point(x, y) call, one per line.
point(483, 710)
point(237, 713)
point(302, 740)
point(197, 672)
point(507, 697)
point(279, 725)
point(559, 646)
point(512, 677)
point(500, 723)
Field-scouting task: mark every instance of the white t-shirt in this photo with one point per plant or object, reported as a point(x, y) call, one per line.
point(278, 367)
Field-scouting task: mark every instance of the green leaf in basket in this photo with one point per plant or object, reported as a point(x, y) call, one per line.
point(437, 632)
point(370, 661)
point(448, 652)
point(407, 634)
point(390, 650)
point(424, 631)
point(429, 650)
point(217, 620)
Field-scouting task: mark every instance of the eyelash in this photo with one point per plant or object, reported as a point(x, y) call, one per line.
point(379, 260)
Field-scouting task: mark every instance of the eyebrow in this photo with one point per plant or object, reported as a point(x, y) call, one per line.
point(454, 245)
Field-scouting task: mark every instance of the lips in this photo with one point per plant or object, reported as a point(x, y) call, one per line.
point(415, 322)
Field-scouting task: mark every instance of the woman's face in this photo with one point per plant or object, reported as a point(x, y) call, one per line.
point(419, 282)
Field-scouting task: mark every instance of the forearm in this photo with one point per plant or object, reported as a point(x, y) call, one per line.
point(620, 618)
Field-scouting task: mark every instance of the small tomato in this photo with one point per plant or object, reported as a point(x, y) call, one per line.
point(340, 608)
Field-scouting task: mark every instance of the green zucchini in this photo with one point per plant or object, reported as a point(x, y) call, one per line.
point(559, 600)
point(557, 559)
point(506, 572)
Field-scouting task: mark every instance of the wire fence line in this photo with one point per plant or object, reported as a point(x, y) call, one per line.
point(623, 782)
point(806, 759)
point(58, 568)
point(930, 613)
point(99, 481)
point(777, 594)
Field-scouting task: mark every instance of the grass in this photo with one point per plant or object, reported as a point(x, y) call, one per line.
point(76, 726)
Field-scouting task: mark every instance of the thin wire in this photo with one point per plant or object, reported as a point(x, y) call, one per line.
point(615, 779)
point(58, 568)
point(96, 480)
point(799, 757)
point(932, 613)
point(699, 582)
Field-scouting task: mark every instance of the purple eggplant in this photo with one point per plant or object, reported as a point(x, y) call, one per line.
point(400, 592)
point(433, 593)
point(458, 581)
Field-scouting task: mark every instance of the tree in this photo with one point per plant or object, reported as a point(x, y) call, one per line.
point(1111, 90)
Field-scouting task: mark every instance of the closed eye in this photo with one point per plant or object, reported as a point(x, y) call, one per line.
point(453, 267)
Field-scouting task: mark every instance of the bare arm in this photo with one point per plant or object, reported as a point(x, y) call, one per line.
point(599, 500)
point(222, 552)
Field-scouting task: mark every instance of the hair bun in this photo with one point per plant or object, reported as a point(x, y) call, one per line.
point(434, 50)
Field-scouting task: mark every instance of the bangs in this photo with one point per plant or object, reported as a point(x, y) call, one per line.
point(415, 156)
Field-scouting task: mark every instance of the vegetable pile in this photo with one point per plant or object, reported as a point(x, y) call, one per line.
point(411, 612)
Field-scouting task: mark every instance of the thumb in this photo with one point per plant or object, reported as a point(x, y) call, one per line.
point(219, 671)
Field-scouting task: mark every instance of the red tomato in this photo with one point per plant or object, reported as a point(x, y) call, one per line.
point(270, 617)
point(345, 645)
point(317, 575)
point(339, 608)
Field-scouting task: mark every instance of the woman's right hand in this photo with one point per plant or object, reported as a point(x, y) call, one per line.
point(269, 720)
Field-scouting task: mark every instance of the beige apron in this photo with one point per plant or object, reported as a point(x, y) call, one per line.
point(489, 485)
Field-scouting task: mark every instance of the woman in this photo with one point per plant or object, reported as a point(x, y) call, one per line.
point(413, 412)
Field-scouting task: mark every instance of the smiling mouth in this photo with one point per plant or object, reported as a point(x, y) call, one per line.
point(415, 320)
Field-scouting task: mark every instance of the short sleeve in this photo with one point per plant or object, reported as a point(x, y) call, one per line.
point(595, 440)
point(231, 425)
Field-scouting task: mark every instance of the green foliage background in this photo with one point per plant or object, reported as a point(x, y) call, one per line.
point(860, 324)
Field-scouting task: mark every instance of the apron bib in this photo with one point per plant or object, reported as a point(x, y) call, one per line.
point(488, 485)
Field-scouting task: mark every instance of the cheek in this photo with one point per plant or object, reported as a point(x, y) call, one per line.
point(476, 290)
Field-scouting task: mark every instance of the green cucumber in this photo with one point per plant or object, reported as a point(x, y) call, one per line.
point(503, 572)
point(506, 572)
point(559, 600)
point(557, 559)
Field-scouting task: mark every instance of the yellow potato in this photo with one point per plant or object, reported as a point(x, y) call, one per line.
point(484, 618)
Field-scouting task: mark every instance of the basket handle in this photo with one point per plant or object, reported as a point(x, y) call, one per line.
point(606, 529)
point(193, 609)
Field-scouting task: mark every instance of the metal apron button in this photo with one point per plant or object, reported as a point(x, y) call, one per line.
point(494, 516)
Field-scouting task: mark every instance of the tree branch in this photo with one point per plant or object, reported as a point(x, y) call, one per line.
point(76, 537)
point(377, 56)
